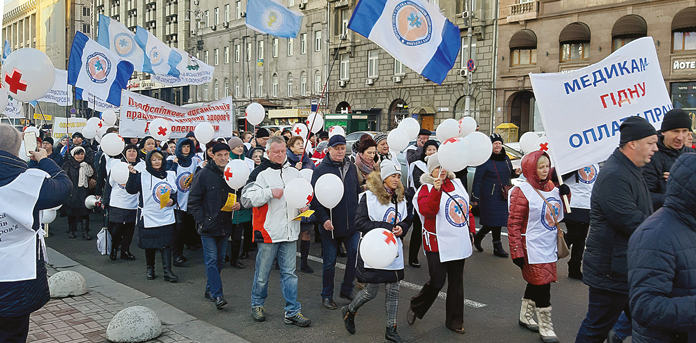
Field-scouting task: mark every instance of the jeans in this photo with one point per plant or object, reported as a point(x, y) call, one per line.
point(622, 328)
point(286, 253)
point(603, 311)
point(330, 249)
point(214, 249)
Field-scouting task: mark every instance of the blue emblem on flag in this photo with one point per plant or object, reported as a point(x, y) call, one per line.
point(412, 24)
point(124, 45)
point(98, 67)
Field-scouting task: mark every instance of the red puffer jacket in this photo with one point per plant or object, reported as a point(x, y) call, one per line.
point(536, 274)
point(429, 206)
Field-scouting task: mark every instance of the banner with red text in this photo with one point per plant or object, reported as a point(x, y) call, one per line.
point(582, 110)
point(138, 110)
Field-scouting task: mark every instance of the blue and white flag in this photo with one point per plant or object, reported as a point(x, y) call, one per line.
point(121, 41)
point(159, 58)
point(413, 31)
point(192, 71)
point(95, 69)
point(6, 50)
point(271, 17)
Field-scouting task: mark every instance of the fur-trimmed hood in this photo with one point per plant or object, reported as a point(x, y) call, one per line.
point(376, 186)
point(427, 178)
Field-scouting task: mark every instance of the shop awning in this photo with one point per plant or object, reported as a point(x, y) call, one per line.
point(575, 33)
point(630, 25)
point(685, 19)
point(523, 39)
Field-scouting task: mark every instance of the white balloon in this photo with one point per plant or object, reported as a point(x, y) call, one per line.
point(300, 129)
point(411, 127)
point(315, 122)
point(236, 174)
point(204, 132)
point(542, 144)
point(467, 125)
point(528, 142)
point(92, 121)
point(112, 144)
point(255, 113)
point(336, 130)
point(160, 129)
point(91, 202)
point(378, 248)
point(120, 172)
point(28, 74)
point(329, 190)
point(22, 152)
point(454, 154)
point(100, 133)
point(89, 131)
point(298, 193)
point(397, 139)
point(447, 129)
point(481, 148)
point(3, 99)
point(307, 174)
point(48, 216)
point(109, 117)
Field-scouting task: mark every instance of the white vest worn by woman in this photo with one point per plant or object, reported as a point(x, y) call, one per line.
point(152, 190)
point(386, 213)
point(416, 164)
point(581, 186)
point(184, 179)
point(18, 254)
point(542, 234)
point(119, 198)
point(451, 223)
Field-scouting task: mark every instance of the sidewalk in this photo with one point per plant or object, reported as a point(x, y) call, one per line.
point(85, 318)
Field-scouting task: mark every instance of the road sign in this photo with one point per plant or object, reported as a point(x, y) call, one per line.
point(470, 65)
point(73, 111)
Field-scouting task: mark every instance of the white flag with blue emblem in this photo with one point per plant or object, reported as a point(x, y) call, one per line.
point(413, 31)
point(271, 17)
point(121, 41)
point(159, 58)
point(192, 71)
point(95, 69)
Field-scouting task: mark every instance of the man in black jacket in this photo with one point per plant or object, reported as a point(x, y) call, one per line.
point(208, 195)
point(340, 227)
point(671, 144)
point(620, 203)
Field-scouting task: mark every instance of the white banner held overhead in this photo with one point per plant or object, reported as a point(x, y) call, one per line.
point(98, 104)
point(138, 110)
point(583, 109)
point(61, 93)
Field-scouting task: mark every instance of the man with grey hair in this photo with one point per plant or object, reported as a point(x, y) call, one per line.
point(24, 192)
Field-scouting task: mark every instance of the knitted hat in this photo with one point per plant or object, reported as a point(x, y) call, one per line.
point(427, 144)
point(635, 128)
point(676, 119)
point(77, 149)
point(387, 169)
point(496, 138)
point(235, 142)
point(78, 134)
point(10, 140)
point(323, 134)
point(433, 162)
point(424, 132)
point(48, 140)
point(380, 137)
point(220, 147)
point(261, 133)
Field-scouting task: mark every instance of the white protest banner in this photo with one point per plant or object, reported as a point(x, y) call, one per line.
point(192, 71)
point(137, 111)
point(13, 108)
point(61, 93)
point(582, 110)
point(67, 126)
point(98, 104)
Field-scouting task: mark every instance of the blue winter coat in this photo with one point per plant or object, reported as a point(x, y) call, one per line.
point(23, 297)
point(661, 268)
point(487, 189)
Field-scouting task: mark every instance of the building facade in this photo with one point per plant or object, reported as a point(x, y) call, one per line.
point(550, 36)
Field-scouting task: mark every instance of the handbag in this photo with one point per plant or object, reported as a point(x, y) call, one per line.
point(505, 189)
point(563, 250)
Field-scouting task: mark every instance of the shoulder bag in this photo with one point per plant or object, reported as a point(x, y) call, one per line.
point(504, 188)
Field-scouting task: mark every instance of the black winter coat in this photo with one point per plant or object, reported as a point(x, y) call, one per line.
point(660, 163)
point(207, 196)
point(75, 203)
point(620, 203)
point(343, 214)
point(661, 268)
point(487, 189)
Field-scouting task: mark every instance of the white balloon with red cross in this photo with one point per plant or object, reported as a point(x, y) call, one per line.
point(109, 117)
point(315, 122)
point(447, 129)
point(378, 248)
point(298, 193)
point(542, 144)
point(112, 144)
point(236, 174)
point(300, 129)
point(160, 129)
point(28, 74)
point(454, 154)
point(467, 125)
point(336, 130)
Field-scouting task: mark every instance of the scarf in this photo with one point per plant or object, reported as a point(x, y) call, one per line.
point(159, 173)
point(500, 156)
point(84, 174)
point(366, 167)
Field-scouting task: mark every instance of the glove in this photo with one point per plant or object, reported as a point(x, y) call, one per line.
point(518, 262)
point(564, 189)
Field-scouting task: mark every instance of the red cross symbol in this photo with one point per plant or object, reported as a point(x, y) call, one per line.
point(162, 131)
point(332, 128)
point(100, 124)
point(451, 140)
point(390, 237)
point(15, 81)
point(544, 146)
point(228, 174)
point(309, 198)
point(298, 130)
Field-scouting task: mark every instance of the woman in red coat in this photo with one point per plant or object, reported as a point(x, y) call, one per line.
point(535, 208)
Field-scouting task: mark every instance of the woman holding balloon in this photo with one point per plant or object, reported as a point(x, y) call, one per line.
point(122, 205)
point(382, 207)
point(416, 169)
point(81, 174)
point(241, 218)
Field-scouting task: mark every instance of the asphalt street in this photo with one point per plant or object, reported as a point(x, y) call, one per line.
point(493, 288)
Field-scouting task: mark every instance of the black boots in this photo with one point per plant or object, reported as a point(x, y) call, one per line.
point(304, 252)
point(498, 249)
point(150, 272)
point(477, 240)
point(126, 255)
point(234, 255)
point(85, 229)
point(167, 265)
point(391, 335)
point(72, 227)
point(112, 255)
point(574, 270)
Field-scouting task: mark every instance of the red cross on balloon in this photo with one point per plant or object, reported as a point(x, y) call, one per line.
point(309, 198)
point(15, 81)
point(451, 140)
point(162, 131)
point(390, 237)
point(228, 174)
point(298, 130)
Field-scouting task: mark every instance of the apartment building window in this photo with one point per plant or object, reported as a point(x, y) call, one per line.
point(684, 41)
point(317, 40)
point(523, 48)
point(260, 84)
point(575, 51)
point(303, 43)
point(227, 88)
point(291, 46)
point(317, 82)
point(227, 55)
point(198, 92)
point(205, 93)
point(205, 57)
point(575, 42)
point(85, 12)
point(274, 89)
point(238, 7)
point(227, 13)
point(216, 90)
point(248, 87)
point(85, 28)
point(345, 65)
point(206, 18)
point(523, 57)
point(237, 53)
point(398, 67)
point(216, 56)
point(303, 84)
point(345, 18)
point(291, 3)
point(627, 29)
point(290, 84)
point(248, 52)
point(237, 93)
point(684, 30)
point(465, 50)
point(373, 63)
point(275, 47)
point(216, 15)
point(259, 52)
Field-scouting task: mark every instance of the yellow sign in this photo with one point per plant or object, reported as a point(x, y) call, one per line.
point(43, 116)
point(304, 214)
point(292, 113)
point(164, 200)
point(231, 200)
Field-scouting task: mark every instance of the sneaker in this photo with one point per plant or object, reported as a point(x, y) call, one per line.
point(298, 320)
point(348, 319)
point(259, 314)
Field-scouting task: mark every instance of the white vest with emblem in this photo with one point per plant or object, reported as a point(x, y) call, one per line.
point(451, 223)
point(18, 253)
point(416, 164)
point(152, 190)
point(581, 184)
point(184, 178)
point(119, 198)
point(386, 213)
point(542, 234)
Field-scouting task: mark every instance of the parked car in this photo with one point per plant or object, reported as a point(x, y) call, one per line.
point(353, 137)
point(277, 127)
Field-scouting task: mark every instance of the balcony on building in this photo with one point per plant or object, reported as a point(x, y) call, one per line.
point(524, 10)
